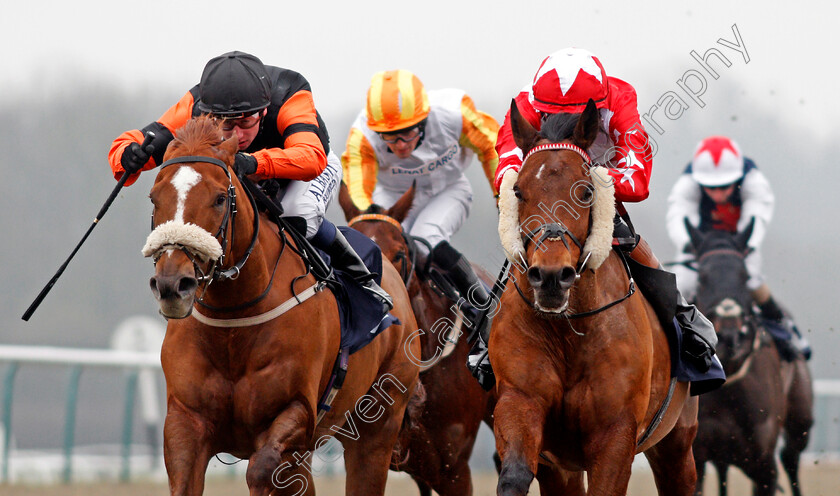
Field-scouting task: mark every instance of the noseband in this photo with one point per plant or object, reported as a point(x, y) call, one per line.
point(216, 273)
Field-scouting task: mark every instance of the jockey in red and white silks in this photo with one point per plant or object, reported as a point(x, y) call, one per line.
point(565, 82)
point(719, 190)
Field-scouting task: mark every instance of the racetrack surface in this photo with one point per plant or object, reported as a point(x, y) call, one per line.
point(818, 479)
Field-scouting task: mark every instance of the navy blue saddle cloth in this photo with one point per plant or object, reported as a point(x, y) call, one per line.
point(360, 312)
point(660, 289)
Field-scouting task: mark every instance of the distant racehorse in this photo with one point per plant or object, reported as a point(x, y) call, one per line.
point(253, 339)
point(582, 363)
point(438, 447)
point(740, 423)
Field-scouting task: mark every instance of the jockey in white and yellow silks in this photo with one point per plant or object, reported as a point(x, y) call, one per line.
point(407, 136)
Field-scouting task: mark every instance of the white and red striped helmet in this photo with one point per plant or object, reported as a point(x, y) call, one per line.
point(717, 162)
point(566, 80)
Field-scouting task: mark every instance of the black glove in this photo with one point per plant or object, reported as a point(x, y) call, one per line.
point(246, 164)
point(135, 157)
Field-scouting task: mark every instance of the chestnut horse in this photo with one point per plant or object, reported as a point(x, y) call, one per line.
point(582, 363)
point(740, 423)
point(253, 338)
point(438, 447)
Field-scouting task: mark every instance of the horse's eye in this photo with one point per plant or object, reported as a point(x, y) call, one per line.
point(221, 199)
point(587, 195)
point(517, 192)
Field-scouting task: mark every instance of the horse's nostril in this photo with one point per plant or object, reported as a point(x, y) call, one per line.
point(187, 285)
point(535, 276)
point(154, 286)
point(567, 277)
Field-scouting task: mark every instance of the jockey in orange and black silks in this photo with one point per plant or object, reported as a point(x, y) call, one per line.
point(281, 136)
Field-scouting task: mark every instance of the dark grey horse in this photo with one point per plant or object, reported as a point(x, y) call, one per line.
point(740, 423)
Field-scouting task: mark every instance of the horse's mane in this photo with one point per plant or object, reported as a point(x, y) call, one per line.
point(559, 127)
point(197, 135)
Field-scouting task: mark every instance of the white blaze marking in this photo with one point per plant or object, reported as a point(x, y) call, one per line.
point(184, 180)
point(539, 172)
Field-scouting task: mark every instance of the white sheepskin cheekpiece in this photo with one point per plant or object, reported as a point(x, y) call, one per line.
point(192, 237)
point(599, 242)
point(509, 234)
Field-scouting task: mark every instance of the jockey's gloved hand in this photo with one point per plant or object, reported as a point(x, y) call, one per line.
point(135, 157)
point(245, 163)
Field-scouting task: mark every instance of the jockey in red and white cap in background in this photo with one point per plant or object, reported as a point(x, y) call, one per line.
point(722, 190)
point(564, 83)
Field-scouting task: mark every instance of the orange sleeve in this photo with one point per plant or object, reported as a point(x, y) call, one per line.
point(479, 133)
point(302, 156)
point(175, 117)
point(360, 168)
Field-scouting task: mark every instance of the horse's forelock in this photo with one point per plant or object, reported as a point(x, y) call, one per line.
point(196, 136)
point(559, 127)
point(375, 209)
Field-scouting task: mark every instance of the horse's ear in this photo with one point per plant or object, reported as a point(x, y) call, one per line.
point(586, 129)
point(229, 147)
point(743, 237)
point(347, 203)
point(694, 235)
point(400, 209)
point(524, 134)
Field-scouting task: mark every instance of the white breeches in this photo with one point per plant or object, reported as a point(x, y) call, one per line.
point(310, 199)
point(433, 217)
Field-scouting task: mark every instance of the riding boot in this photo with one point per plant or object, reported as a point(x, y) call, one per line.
point(699, 336)
point(345, 258)
point(460, 272)
point(789, 341)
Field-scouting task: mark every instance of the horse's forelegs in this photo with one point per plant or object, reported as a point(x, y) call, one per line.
point(280, 463)
point(672, 460)
point(518, 426)
point(557, 481)
point(367, 458)
point(609, 457)
point(186, 451)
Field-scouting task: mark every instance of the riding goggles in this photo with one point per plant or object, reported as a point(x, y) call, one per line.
point(246, 122)
point(404, 136)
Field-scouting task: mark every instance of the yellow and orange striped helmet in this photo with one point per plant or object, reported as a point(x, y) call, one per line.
point(396, 100)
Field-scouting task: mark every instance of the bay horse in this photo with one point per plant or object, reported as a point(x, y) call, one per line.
point(253, 339)
point(436, 451)
point(583, 367)
point(740, 423)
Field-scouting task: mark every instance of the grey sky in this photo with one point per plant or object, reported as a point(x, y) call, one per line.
point(488, 48)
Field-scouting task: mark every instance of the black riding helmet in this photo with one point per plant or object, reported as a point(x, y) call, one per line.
point(233, 85)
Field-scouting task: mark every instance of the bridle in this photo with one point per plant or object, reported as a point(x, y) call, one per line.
point(225, 232)
point(407, 258)
point(749, 321)
point(557, 231)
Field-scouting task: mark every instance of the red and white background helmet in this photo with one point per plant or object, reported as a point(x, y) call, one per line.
point(717, 162)
point(566, 80)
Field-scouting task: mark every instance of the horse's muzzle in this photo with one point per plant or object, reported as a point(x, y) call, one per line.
point(551, 287)
point(175, 294)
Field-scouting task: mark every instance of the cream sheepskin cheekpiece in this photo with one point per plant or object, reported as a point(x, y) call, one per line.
point(599, 242)
point(199, 242)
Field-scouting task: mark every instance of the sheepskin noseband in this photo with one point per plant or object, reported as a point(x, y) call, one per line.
point(171, 234)
point(599, 242)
